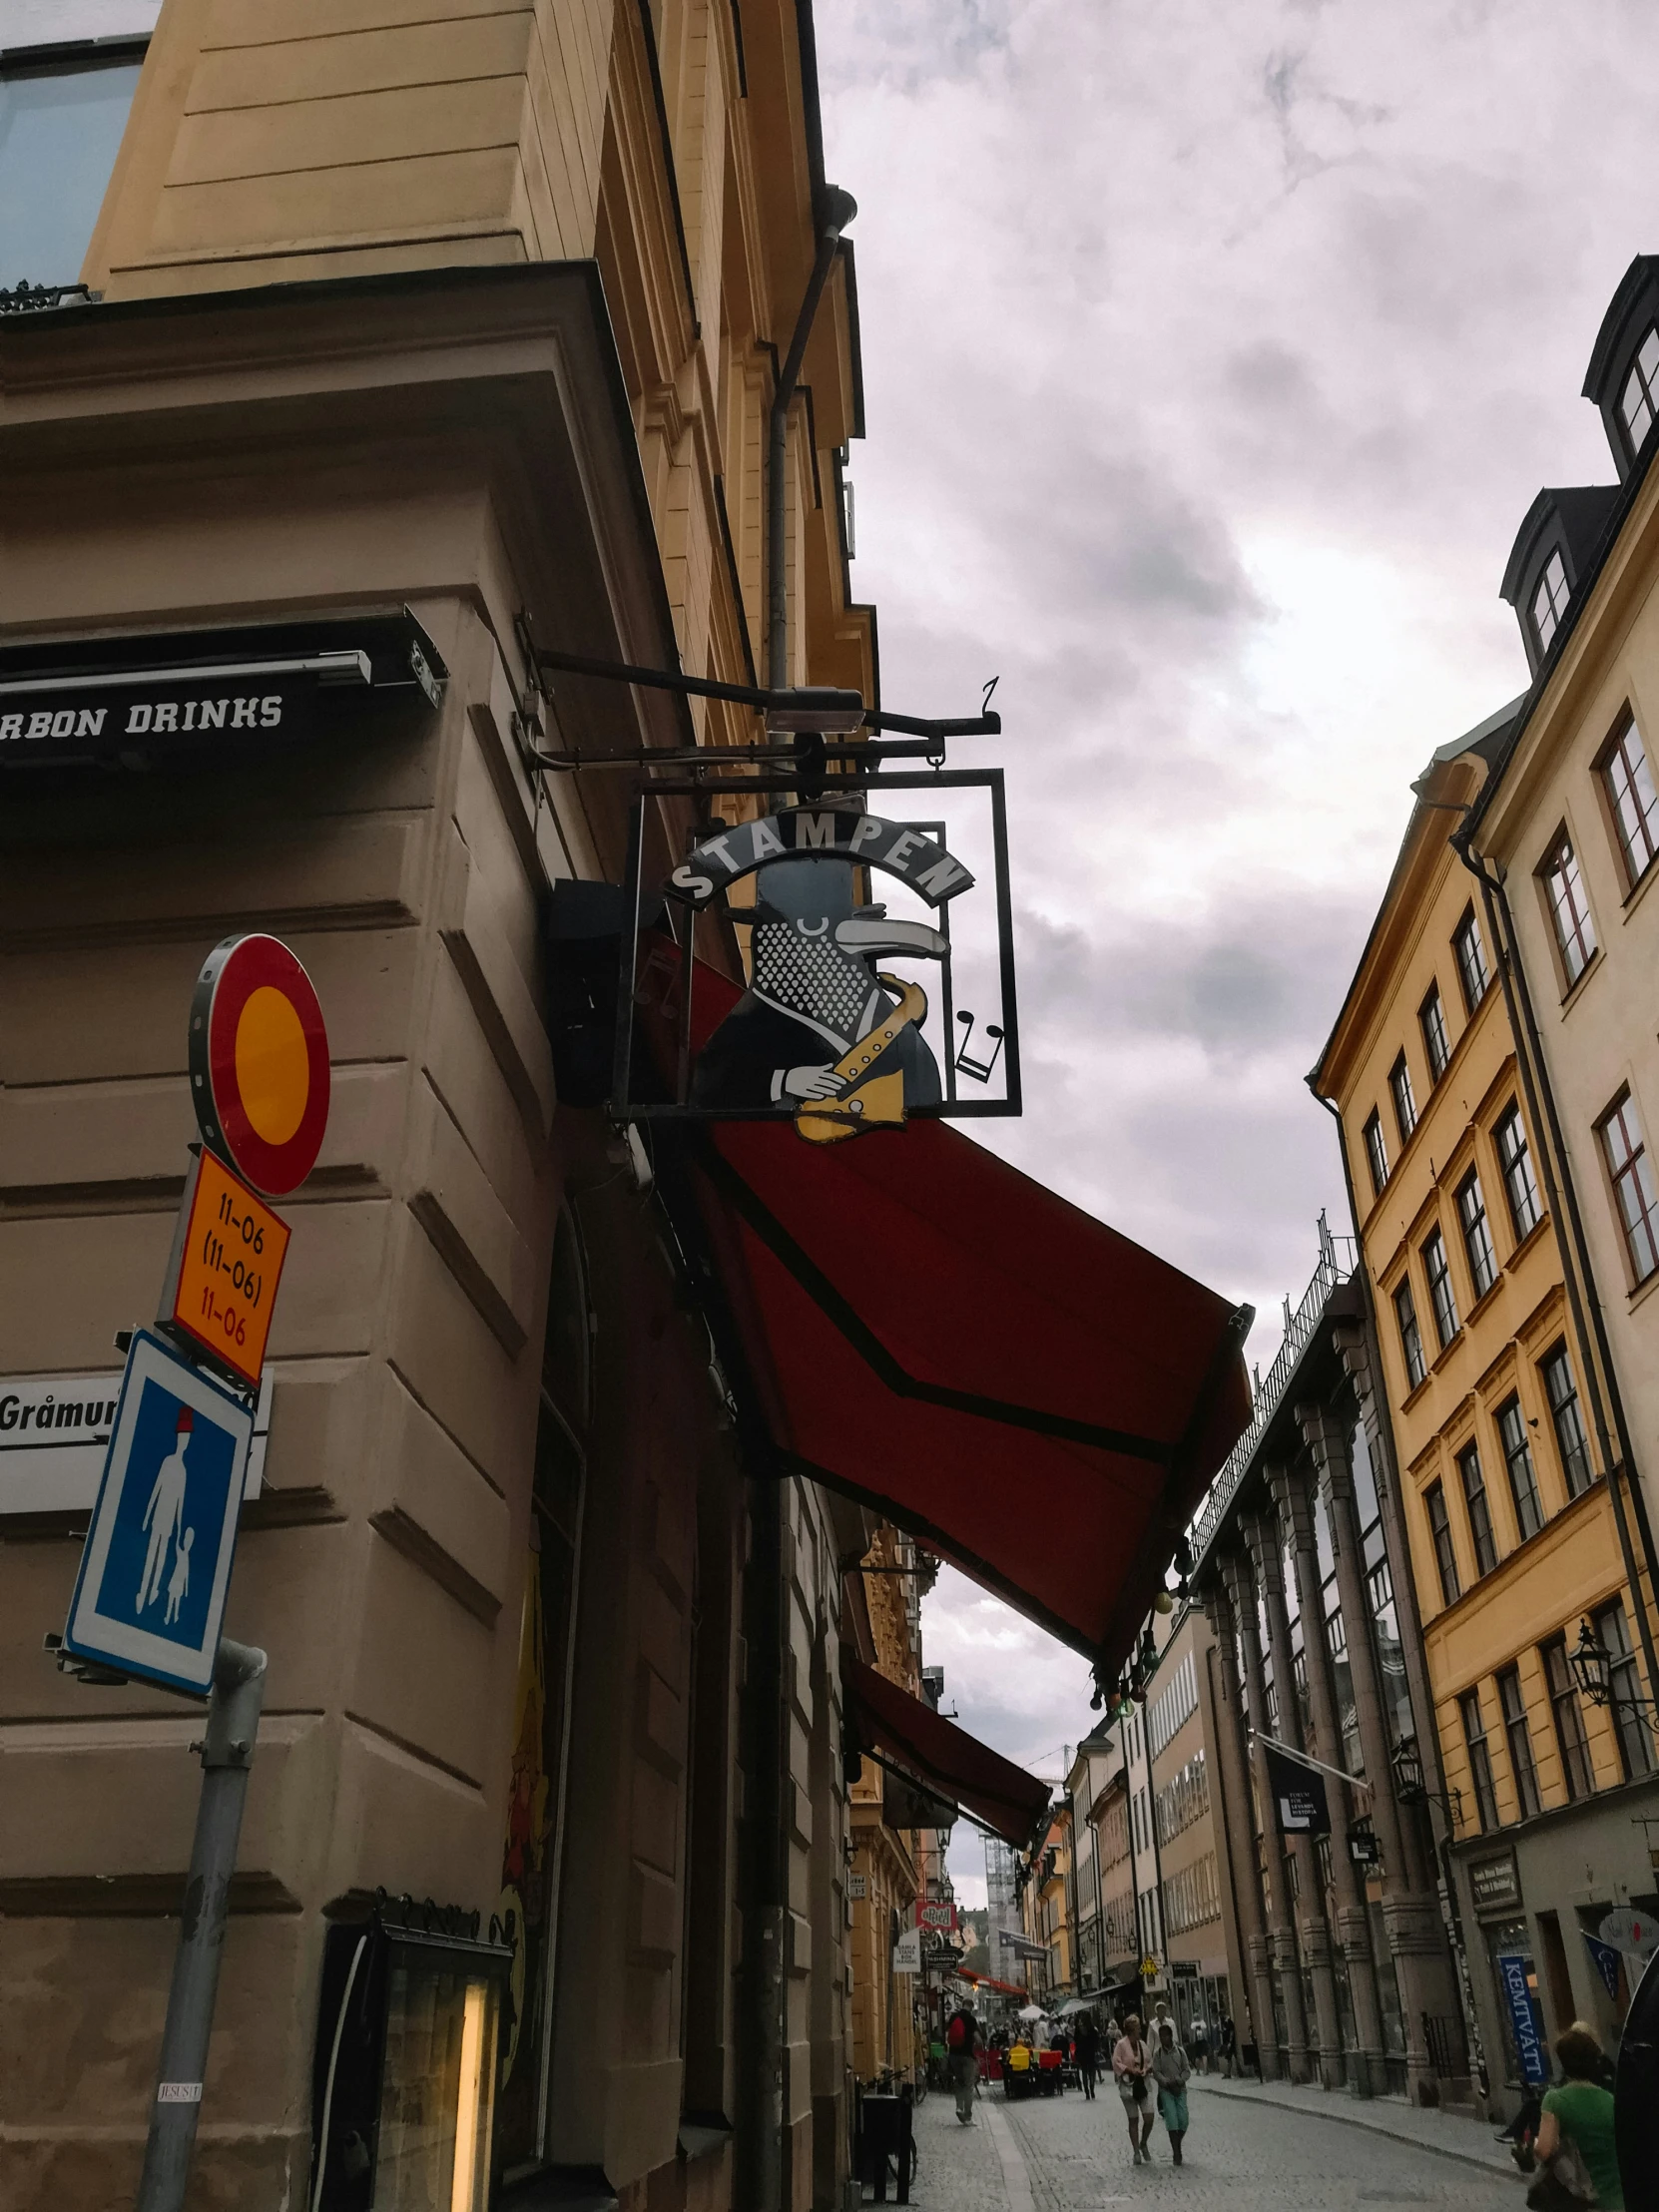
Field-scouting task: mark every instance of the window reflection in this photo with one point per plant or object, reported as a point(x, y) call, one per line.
point(60, 131)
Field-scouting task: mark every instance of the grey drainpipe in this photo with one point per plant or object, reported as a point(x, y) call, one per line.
point(837, 212)
point(1581, 1287)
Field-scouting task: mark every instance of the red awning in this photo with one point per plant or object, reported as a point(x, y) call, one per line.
point(930, 1331)
point(946, 1758)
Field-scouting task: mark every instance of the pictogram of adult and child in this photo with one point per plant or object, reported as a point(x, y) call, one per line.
point(163, 1518)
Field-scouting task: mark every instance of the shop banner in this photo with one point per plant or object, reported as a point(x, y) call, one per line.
point(1514, 1970)
point(1606, 1961)
point(1300, 1806)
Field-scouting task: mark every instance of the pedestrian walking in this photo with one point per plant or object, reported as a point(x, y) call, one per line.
point(963, 2040)
point(1199, 2049)
point(1227, 2043)
point(1170, 2069)
point(1131, 2069)
point(1575, 2133)
point(1088, 2053)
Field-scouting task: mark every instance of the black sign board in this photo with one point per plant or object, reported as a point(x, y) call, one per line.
point(149, 699)
point(1299, 1803)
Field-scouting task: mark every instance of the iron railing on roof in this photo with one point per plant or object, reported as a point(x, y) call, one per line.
point(1336, 1262)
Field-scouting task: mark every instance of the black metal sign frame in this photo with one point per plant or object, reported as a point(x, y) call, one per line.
point(953, 1106)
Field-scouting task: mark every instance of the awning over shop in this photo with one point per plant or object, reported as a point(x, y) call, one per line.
point(990, 1788)
point(989, 1982)
point(931, 1332)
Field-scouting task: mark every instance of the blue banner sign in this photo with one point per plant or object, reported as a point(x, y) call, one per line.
point(1515, 1974)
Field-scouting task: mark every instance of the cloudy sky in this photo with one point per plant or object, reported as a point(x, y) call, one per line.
point(1212, 356)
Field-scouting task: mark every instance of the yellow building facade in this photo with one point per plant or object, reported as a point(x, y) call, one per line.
point(891, 1862)
point(1510, 1520)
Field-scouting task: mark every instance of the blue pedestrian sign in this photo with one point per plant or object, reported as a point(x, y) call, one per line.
point(149, 1596)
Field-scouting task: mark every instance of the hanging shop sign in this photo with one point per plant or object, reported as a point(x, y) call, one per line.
point(146, 700)
point(1627, 1930)
point(906, 1953)
point(936, 1914)
point(55, 1431)
point(850, 1020)
point(1300, 1806)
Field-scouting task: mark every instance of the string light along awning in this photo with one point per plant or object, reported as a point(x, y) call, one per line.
point(920, 1326)
point(988, 1788)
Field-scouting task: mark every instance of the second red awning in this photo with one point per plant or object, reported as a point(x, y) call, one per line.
point(991, 1789)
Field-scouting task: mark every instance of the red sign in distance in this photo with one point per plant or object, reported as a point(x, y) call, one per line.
point(258, 1062)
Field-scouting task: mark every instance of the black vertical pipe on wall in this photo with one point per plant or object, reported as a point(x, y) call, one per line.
point(764, 1864)
point(838, 208)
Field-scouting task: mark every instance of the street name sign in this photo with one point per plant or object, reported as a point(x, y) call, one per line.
point(228, 1255)
point(54, 1433)
point(149, 1596)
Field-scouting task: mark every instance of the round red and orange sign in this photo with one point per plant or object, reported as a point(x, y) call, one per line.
point(258, 1062)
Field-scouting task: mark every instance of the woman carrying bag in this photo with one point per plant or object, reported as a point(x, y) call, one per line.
point(1131, 2064)
point(1577, 2164)
point(1170, 2068)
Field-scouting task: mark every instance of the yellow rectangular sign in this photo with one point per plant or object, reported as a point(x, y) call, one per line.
point(228, 1260)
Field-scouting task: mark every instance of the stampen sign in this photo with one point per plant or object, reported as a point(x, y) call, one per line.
point(866, 840)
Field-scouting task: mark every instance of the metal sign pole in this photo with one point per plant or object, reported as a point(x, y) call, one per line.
point(226, 1754)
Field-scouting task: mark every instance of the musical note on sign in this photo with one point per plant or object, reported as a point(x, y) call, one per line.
point(980, 1070)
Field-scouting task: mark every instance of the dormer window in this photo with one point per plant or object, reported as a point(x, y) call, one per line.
point(1640, 400)
point(1549, 601)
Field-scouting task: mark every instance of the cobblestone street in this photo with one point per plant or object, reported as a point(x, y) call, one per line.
point(1243, 2154)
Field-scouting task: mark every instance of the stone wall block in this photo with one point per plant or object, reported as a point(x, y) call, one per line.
point(453, 1202)
point(427, 1499)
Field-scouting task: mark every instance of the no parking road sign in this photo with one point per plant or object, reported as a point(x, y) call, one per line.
point(157, 1564)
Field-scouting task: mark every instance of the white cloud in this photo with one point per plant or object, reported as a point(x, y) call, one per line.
point(1213, 356)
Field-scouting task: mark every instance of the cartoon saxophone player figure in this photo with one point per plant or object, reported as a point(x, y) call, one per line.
point(819, 1029)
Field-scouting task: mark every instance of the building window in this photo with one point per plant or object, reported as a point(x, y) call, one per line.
point(1480, 1512)
point(1438, 1271)
point(1480, 1760)
point(1520, 1185)
point(1640, 400)
point(1628, 782)
point(1390, 1656)
point(1432, 1019)
point(1518, 1459)
point(61, 122)
point(1477, 1236)
point(1569, 1721)
point(1376, 1153)
point(1568, 907)
point(1521, 1740)
point(1439, 1527)
point(1405, 1106)
point(1471, 951)
point(1625, 1150)
point(1549, 601)
point(1630, 1722)
point(1573, 1443)
point(1410, 1335)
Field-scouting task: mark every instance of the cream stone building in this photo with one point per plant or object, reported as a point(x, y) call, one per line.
point(426, 335)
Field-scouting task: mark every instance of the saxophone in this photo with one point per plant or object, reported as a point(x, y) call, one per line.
point(879, 1101)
